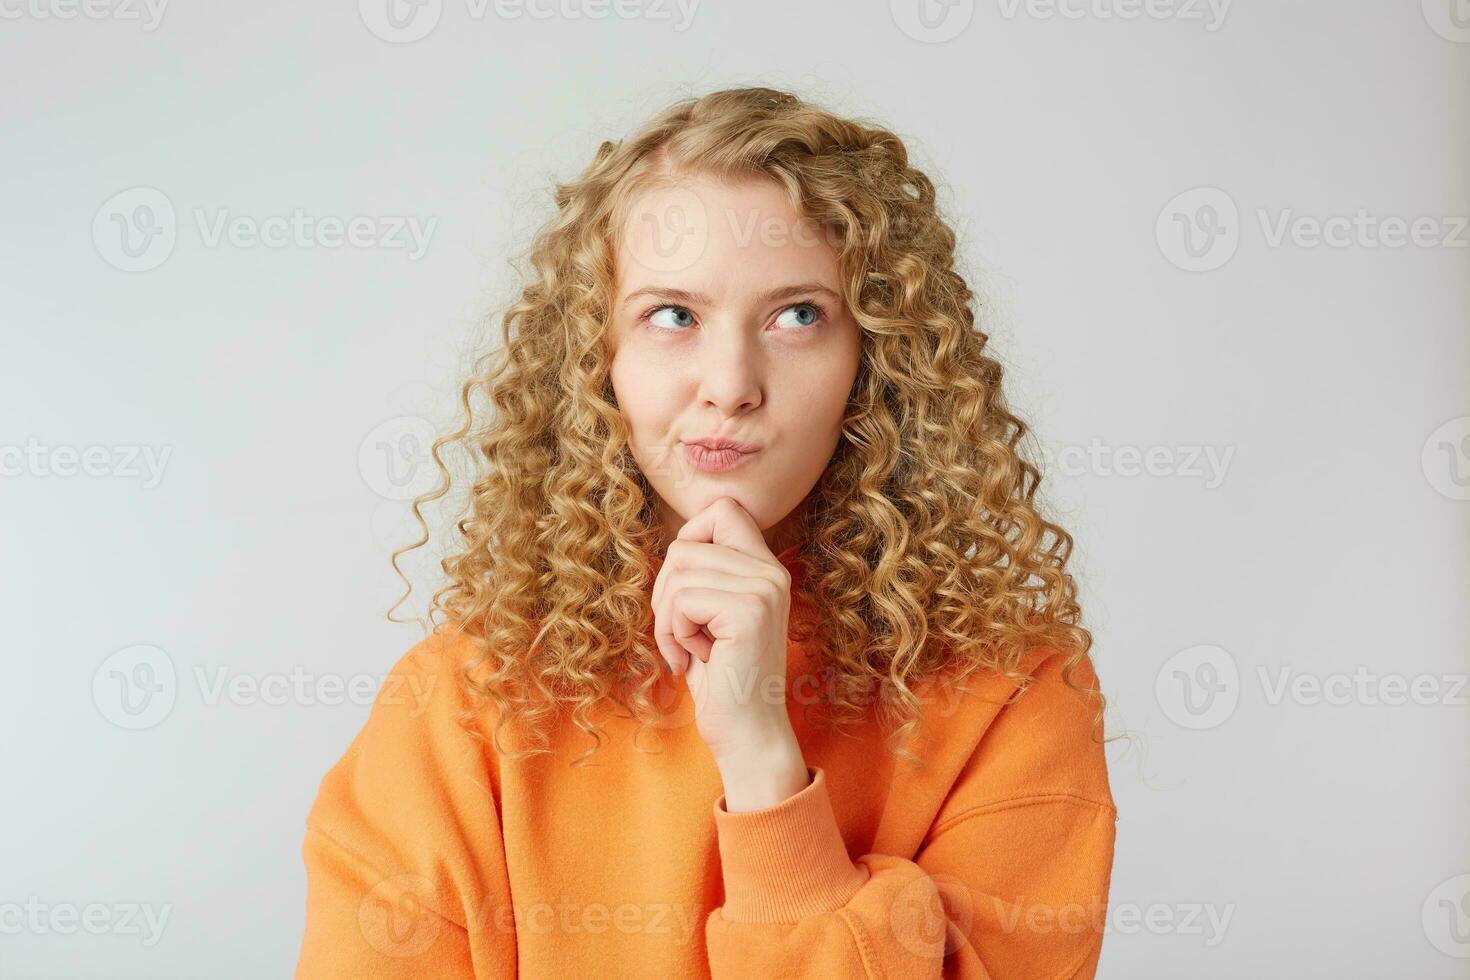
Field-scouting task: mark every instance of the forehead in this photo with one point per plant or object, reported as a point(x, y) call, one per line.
point(712, 236)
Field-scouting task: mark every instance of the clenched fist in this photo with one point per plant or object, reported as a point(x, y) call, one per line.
point(721, 605)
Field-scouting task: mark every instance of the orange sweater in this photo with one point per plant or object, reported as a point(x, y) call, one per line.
point(429, 855)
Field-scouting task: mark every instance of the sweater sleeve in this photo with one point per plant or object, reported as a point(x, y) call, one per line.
point(1011, 880)
point(397, 887)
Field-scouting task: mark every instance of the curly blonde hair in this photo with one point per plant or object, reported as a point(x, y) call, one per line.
point(924, 551)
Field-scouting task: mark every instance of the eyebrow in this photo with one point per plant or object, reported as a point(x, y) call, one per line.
point(770, 295)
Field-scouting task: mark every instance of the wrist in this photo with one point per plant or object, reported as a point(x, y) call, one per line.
point(762, 774)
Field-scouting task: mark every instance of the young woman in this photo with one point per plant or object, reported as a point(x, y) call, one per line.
point(757, 658)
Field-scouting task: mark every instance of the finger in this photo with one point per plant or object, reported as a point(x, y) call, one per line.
point(696, 682)
point(758, 582)
point(693, 634)
point(687, 555)
point(675, 656)
point(711, 566)
point(674, 653)
point(687, 550)
point(701, 617)
point(679, 638)
point(692, 637)
point(664, 568)
point(728, 523)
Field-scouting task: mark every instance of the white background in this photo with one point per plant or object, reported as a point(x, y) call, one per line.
point(1265, 837)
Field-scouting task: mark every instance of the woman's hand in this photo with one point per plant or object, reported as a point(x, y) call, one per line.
point(721, 606)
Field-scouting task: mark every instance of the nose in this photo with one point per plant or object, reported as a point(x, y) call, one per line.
point(731, 369)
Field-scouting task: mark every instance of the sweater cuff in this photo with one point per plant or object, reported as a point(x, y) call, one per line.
point(788, 861)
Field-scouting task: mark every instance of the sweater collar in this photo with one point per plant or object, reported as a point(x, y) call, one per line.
point(791, 558)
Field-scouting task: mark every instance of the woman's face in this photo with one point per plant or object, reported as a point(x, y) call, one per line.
point(728, 323)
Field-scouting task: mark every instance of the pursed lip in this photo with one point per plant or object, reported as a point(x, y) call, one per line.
point(715, 445)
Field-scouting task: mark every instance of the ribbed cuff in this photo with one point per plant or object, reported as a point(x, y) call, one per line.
point(788, 861)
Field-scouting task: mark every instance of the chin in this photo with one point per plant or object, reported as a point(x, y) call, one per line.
point(690, 503)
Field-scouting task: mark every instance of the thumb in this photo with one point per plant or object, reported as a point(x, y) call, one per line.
point(675, 656)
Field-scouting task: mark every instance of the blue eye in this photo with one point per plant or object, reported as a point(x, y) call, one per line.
point(817, 313)
point(684, 317)
point(648, 317)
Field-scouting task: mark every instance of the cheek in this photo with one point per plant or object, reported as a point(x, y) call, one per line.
point(642, 394)
point(627, 381)
point(829, 390)
point(814, 410)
